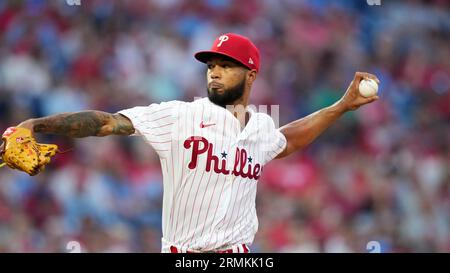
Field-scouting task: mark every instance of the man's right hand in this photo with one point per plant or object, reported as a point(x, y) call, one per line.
point(352, 99)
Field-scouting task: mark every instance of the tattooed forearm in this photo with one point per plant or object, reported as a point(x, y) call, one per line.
point(83, 124)
point(80, 124)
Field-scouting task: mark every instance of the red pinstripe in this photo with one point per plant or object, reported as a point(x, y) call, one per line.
point(205, 190)
point(245, 193)
point(158, 110)
point(221, 192)
point(193, 179)
point(232, 187)
point(181, 181)
point(162, 126)
point(163, 134)
point(250, 199)
point(249, 185)
point(160, 141)
point(215, 185)
point(193, 206)
point(159, 118)
point(184, 186)
point(236, 198)
point(173, 183)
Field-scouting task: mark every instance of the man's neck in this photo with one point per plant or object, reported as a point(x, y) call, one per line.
point(239, 110)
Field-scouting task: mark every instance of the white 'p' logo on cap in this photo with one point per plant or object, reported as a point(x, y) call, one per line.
point(222, 39)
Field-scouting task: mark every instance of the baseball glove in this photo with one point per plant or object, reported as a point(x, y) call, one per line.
point(21, 151)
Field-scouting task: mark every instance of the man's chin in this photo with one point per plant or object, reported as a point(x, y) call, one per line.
point(217, 91)
point(216, 101)
point(223, 97)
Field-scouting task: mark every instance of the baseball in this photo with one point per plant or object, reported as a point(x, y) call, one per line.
point(368, 88)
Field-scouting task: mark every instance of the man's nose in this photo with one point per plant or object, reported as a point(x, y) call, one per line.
point(215, 72)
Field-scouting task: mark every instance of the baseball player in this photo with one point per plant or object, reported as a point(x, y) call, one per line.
point(212, 150)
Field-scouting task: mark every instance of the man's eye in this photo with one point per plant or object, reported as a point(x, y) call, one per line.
point(209, 66)
point(226, 66)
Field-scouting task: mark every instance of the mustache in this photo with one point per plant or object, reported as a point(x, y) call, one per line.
point(214, 84)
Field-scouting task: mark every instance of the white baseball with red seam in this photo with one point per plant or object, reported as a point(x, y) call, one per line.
point(368, 88)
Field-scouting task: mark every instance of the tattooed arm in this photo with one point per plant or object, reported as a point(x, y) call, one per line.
point(81, 124)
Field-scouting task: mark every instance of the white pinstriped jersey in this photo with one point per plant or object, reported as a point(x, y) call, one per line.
point(210, 170)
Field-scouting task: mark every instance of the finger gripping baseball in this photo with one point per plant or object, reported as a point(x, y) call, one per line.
point(21, 152)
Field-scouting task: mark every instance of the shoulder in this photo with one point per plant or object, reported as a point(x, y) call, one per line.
point(173, 104)
point(178, 107)
point(264, 119)
point(176, 103)
point(167, 105)
point(195, 104)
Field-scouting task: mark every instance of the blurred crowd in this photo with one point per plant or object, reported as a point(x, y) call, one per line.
point(379, 174)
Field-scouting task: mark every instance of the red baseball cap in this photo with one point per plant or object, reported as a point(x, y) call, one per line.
point(235, 46)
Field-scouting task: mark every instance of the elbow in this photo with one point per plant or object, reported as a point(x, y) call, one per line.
point(290, 149)
point(298, 147)
point(107, 126)
point(105, 130)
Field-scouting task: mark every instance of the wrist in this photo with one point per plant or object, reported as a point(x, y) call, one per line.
point(340, 107)
point(28, 124)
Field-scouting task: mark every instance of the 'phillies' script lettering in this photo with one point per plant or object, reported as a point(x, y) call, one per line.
point(201, 145)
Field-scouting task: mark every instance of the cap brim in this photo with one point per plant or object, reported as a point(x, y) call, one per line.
point(204, 56)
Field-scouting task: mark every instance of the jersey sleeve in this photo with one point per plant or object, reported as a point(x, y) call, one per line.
point(155, 123)
point(272, 140)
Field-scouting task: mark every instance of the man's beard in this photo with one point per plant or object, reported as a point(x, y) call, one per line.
point(229, 96)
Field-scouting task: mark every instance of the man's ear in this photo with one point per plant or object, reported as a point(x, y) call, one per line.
point(251, 76)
